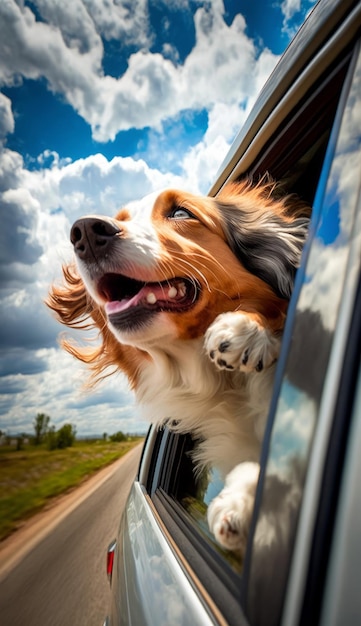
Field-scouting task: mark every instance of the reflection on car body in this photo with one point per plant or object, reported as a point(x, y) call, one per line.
point(303, 555)
point(328, 283)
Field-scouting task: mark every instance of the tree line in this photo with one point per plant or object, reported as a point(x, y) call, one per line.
point(46, 434)
point(64, 437)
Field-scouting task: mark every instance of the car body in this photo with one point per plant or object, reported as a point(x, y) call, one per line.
point(164, 565)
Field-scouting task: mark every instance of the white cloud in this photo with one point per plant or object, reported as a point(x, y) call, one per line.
point(68, 52)
point(59, 391)
point(328, 264)
point(202, 161)
point(10, 164)
point(76, 24)
point(94, 184)
point(123, 21)
point(7, 124)
point(290, 7)
point(294, 424)
point(329, 271)
point(295, 12)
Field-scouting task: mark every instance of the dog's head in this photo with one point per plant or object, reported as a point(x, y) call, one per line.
point(165, 273)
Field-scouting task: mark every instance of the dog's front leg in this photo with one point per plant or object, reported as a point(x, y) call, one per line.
point(239, 341)
point(229, 514)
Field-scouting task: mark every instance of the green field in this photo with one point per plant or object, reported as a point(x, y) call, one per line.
point(29, 478)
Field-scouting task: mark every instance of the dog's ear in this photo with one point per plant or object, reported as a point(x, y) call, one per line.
point(268, 239)
point(74, 308)
point(69, 301)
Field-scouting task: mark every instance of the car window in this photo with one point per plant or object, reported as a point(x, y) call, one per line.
point(313, 358)
point(293, 166)
point(306, 154)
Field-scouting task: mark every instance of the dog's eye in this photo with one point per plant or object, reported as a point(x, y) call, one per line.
point(179, 213)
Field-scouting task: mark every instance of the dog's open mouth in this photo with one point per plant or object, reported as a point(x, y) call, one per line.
point(122, 294)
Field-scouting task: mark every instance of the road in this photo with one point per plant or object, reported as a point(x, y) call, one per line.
point(62, 580)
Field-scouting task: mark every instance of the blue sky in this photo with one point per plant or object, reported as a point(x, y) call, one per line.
point(102, 103)
point(55, 125)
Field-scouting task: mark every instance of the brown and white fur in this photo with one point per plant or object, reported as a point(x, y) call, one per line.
point(190, 297)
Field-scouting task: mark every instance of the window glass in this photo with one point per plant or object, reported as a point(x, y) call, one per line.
point(330, 274)
point(194, 491)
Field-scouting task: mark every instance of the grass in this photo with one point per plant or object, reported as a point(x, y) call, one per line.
point(29, 478)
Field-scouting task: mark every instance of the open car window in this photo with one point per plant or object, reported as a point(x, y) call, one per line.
point(309, 154)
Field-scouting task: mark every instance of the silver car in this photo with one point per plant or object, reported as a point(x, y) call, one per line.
point(303, 560)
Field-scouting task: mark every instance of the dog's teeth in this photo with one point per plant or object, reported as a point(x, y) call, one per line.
point(172, 292)
point(151, 298)
point(182, 289)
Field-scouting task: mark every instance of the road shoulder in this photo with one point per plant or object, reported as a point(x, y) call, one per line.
point(15, 547)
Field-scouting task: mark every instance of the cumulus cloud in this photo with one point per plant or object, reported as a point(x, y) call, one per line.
point(330, 267)
point(291, 9)
point(57, 389)
point(92, 184)
point(6, 117)
point(82, 23)
point(124, 21)
point(11, 163)
point(17, 242)
point(295, 421)
point(25, 323)
point(18, 363)
point(68, 52)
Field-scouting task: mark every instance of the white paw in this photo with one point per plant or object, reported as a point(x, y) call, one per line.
point(235, 341)
point(229, 514)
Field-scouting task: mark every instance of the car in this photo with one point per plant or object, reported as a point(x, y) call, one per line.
point(303, 559)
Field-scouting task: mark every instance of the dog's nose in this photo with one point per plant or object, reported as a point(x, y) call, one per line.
point(92, 237)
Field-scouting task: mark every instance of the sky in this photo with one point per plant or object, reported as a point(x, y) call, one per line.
point(101, 103)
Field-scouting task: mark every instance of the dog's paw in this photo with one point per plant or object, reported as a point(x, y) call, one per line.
point(229, 514)
point(236, 341)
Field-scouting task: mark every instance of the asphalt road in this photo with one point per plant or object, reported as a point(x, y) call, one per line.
point(62, 580)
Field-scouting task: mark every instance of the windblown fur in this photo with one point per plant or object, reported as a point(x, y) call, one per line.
point(189, 298)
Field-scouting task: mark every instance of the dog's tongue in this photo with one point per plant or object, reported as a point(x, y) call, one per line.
point(149, 295)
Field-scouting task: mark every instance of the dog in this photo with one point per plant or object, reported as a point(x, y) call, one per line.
point(189, 297)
